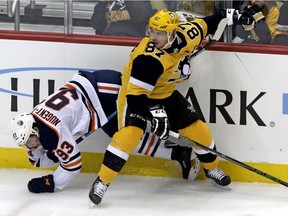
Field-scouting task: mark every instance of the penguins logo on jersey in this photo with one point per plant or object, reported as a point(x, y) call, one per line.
point(184, 68)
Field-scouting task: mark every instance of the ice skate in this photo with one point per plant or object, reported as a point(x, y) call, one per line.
point(218, 178)
point(97, 191)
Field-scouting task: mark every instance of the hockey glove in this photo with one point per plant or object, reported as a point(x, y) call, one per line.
point(246, 19)
point(159, 123)
point(255, 11)
point(42, 184)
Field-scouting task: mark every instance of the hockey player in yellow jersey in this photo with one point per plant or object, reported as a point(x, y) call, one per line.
point(148, 93)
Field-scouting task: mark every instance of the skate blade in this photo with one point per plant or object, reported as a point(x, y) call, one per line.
point(91, 204)
point(227, 187)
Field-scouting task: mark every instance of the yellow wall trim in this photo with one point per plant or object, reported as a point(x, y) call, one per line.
point(147, 166)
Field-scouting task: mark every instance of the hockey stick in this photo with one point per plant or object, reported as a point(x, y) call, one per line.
point(81, 138)
point(252, 169)
point(217, 35)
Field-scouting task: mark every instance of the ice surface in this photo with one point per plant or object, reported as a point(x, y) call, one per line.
point(137, 196)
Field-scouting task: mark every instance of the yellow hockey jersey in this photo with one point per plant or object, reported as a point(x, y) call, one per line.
point(155, 72)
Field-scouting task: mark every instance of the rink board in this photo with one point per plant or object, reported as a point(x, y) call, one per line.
point(242, 96)
point(147, 166)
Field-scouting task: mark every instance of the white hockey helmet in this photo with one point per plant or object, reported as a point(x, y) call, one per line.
point(22, 128)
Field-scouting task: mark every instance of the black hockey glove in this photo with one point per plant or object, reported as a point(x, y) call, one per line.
point(255, 11)
point(251, 11)
point(159, 123)
point(247, 18)
point(42, 184)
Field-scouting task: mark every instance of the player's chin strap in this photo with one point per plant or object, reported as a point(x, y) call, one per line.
point(252, 169)
point(170, 41)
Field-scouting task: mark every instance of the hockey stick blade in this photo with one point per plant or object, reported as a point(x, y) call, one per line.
point(250, 168)
point(217, 35)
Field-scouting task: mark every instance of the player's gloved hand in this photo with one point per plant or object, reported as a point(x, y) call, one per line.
point(246, 19)
point(41, 184)
point(159, 123)
point(255, 11)
point(251, 11)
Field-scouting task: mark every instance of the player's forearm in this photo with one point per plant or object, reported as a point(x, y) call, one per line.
point(212, 22)
point(63, 177)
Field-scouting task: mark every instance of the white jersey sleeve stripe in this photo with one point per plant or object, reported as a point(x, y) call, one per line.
point(141, 84)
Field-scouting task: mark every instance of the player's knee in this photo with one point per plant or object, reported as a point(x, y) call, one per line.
point(127, 138)
point(198, 132)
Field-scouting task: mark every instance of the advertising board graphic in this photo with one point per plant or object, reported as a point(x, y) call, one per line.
point(243, 97)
